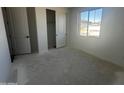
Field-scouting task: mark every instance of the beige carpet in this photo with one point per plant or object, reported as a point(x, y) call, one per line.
point(66, 66)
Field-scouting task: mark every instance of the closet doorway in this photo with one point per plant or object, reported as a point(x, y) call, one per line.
point(51, 28)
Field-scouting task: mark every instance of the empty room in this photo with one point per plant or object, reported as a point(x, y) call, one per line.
point(62, 45)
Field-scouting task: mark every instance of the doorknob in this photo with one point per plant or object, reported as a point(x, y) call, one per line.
point(27, 36)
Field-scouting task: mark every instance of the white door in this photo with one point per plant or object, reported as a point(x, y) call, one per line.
point(60, 29)
point(20, 31)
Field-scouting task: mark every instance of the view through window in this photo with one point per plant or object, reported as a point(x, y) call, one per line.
point(91, 22)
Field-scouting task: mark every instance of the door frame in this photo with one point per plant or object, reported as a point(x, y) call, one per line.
point(6, 17)
point(27, 35)
point(55, 27)
point(11, 27)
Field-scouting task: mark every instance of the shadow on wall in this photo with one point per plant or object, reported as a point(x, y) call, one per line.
point(5, 63)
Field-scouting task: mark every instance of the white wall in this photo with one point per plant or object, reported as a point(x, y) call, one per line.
point(5, 63)
point(110, 45)
point(42, 26)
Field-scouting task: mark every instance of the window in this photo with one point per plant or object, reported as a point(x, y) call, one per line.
point(84, 23)
point(91, 22)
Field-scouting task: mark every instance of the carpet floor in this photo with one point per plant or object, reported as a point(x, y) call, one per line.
point(66, 66)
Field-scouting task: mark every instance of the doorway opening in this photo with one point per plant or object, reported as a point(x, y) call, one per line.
point(20, 25)
point(18, 30)
point(51, 28)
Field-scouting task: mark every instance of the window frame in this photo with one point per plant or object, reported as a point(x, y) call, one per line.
point(85, 10)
